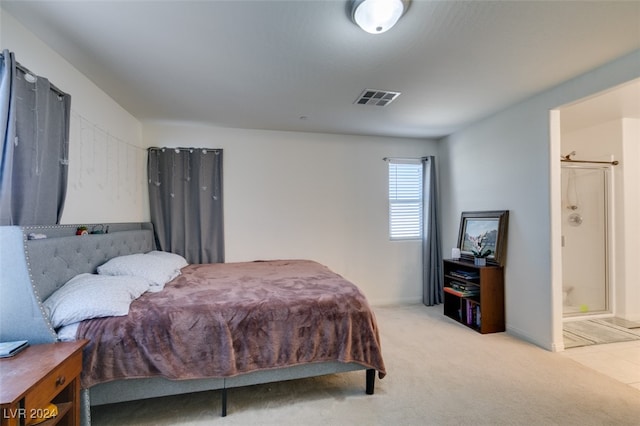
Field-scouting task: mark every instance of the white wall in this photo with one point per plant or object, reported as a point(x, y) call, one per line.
point(315, 196)
point(628, 303)
point(504, 162)
point(106, 159)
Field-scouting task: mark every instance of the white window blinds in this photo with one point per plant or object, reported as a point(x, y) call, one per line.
point(405, 199)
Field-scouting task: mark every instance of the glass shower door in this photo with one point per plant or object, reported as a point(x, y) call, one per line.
point(585, 274)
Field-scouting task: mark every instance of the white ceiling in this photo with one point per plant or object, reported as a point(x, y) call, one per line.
point(300, 65)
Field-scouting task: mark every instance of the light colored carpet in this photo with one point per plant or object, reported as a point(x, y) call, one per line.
point(439, 373)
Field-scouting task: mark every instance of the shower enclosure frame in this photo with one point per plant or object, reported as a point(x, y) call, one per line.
point(609, 227)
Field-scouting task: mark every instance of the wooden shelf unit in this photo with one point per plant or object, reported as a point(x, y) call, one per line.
point(483, 312)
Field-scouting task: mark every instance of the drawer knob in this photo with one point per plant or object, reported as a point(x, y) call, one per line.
point(60, 380)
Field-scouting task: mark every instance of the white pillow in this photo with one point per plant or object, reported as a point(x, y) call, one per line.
point(172, 259)
point(69, 332)
point(87, 296)
point(153, 268)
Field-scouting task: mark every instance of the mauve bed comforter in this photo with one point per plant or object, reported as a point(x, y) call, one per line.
point(225, 319)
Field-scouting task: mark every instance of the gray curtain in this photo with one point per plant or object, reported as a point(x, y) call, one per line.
point(432, 293)
point(35, 146)
point(185, 199)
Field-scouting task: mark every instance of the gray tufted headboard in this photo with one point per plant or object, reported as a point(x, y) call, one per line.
point(54, 261)
point(33, 269)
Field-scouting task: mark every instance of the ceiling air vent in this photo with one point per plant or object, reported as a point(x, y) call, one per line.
point(376, 97)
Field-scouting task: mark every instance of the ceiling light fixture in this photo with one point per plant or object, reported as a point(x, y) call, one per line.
point(377, 16)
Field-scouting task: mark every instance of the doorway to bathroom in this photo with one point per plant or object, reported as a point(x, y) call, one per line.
point(586, 283)
point(588, 286)
point(594, 132)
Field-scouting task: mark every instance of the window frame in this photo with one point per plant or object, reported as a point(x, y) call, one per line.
point(405, 196)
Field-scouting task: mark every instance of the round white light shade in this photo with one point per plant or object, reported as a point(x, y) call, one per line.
point(377, 16)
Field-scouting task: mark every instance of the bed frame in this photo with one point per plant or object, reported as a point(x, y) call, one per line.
point(32, 269)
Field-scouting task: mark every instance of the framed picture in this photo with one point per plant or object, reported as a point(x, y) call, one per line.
point(482, 232)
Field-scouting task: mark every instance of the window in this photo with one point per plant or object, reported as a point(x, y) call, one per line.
point(405, 199)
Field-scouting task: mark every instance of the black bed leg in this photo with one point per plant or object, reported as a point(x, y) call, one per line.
point(224, 402)
point(371, 381)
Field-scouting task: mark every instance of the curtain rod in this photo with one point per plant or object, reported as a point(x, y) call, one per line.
point(28, 71)
point(155, 148)
point(51, 85)
point(405, 158)
point(568, 160)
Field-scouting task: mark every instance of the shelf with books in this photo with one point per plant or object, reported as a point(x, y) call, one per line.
point(461, 293)
point(465, 275)
point(474, 295)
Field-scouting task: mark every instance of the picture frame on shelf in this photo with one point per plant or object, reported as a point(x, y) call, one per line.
point(490, 225)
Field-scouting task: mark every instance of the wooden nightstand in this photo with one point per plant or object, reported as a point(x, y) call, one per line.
point(37, 376)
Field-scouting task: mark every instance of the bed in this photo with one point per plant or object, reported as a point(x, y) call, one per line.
point(211, 327)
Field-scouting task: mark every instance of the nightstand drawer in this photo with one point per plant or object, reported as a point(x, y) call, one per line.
point(53, 383)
